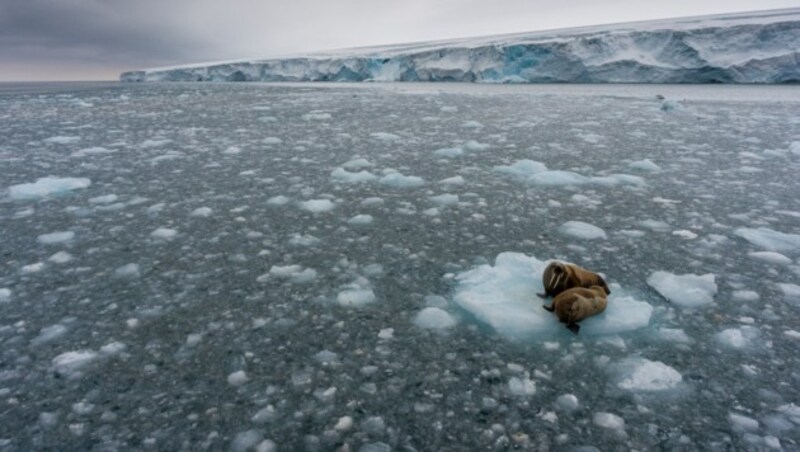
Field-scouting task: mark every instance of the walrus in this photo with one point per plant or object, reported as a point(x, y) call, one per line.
point(578, 303)
point(560, 276)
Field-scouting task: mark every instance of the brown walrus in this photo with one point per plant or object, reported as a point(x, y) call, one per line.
point(578, 303)
point(560, 276)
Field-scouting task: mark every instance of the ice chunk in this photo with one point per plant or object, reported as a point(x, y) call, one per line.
point(49, 334)
point(5, 294)
point(237, 378)
point(557, 178)
point(113, 348)
point(608, 420)
point(285, 271)
point(55, 238)
point(738, 338)
point(398, 180)
point(385, 136)
point(71, 363)
point(277, 200)
point(92, 151)
point(639, 374)
point(675, 335)
point(201, 212)
point(567, 402)
point(357, 164)
point(770, 257)
point(127, 271)
point(742, 422)
point(521, 387)
point(272, 140)
point(345, 423)
point(769, 239)
point(247, 440)
point(434, 319)
point(689, 291)
point(456, 180)
point(504, 297)
point(344, 176)
point(303, 240)
point(449, 152)
point(356, 294)
point(61, 257)
point(105, 199)
point(581, 230)
point(791, 293)
point(360, 220)
point(522, 168)
point(61, 139)
point(446, 199)
point(645, 165)
point(317, 205)
point(164, 234)
point(47, 186)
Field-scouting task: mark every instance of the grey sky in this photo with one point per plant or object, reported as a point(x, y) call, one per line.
point(97, 39)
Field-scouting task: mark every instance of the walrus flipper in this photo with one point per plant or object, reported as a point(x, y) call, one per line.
point(542, 295)
point(574, 327)
point(550, 308)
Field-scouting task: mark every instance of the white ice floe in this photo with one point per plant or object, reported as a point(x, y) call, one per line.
point(71, 363)
point(386, 136)
point(434, 319)
point(272, 140)
point(446, 199)
point(791, 293)
point(556, 178)
point(745, 295)
point(357, 294)
point(567, 402)
point(61, 257)
point(770, 257)
point(303, 240)
point(449, 152)
point(49, 334)
point(317, 205)
point(237, 378)
point(360, 220)
point(47, 186)
point(55, 238)
point(62, 139)
point(295, 273)
point(503, 296)
point(522, 168)
point(349, 177)
point(640, 374)
point(738, 338)
point(5, 294)
point(608, 420)
point(689, 291)
point(357, 164)
point(277, 200)
point(456, 180)
point(581, 230)
point(742, 422)
point(105, 199)
point(674, 335)
point(201, 212)
point(769, 239)
point(93, 151)
point(127, 271)
point(645, 165)
point(164, 234)
point(398, 180)
point(521, 386)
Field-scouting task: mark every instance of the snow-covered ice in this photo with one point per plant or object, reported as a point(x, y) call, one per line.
point(581, 230)
point(55, 238)
point(434, 318)
point(688, 291)
point(47, 186)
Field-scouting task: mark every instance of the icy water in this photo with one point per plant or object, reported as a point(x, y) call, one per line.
point(353, 267)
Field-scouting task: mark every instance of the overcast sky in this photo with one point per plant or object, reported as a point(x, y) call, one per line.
point(97, 39)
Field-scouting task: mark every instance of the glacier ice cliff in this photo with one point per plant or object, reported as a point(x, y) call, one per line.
point(758, 47)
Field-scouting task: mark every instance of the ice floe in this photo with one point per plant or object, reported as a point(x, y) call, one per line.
point(769, 239)
point(47, 186)
point(434, 319)
point(689, 291)
point(581, 230)
point(640, 374)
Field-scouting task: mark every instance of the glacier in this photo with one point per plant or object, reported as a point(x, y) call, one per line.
point(756, 47)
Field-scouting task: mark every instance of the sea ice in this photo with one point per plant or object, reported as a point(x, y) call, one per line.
point(105, 199)
point(434, 319)
point(5, 294)
point(237, 378)
point(385, 136)
point(55, 238)
point(127, 271)
point(398, 180)
point(356, 294)
point(521, 387)
point(71, 363)
point(770, 257)
point(504, 297)
point(769, 239)
point(556, 178)
point(49, 333)
point(791, 293)
point(201, 212)
point(608, 420)
point(317, 205)
point(357, 164)
point(581, 230)
point(61, 139)
point(446, 199)
point(360, 220)
point(688, 291)
point(639, 374)
point(645, 165)
point(449, 152)
point(47, 186)
point(164, 233)
point(522, 168)
point(348, 177)
point(741, 422)
point(278, 200)
point(738, 338)
point(92, 151)
point(61, 257)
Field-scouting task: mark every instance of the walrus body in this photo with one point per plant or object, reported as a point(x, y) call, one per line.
point(578, 303)
point(559, 276)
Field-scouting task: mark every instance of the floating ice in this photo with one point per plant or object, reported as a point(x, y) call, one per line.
point(316, 116)
point(5, 294)
point(567, 402)
point(449, 152)
point(446, 199)
point(434, 319)
point(49, 334)
point(61, 257)
point(92, 151)
point(504, 297)
point(791, 293)
point(348, 177)
point(317, 205)
point(278, 200)
point(769, 239)
point(556, 178)
point(688, 291)
point(655, 225)
point(522, 168)
point(127, 271)
point(237, 378)
point(356, 294)
point(675, 335)
point(357, 164)
point(770, 257)
point(360, 220)
point(384, 136)
point(639, 374)
point(164, 233)
point(62, 140)
point(398, 180)
point(303, 240)
point(521, 387)
point(744, 423)
point(71, 363)
point(272, 140)
point(456, 180)
point(201, 212)
point(645, 165)
point(105, 199)
point(47, 186)
point(581, 230)
point(738, 338)
point(55, 238)
point(608, 420)
point(245, 441)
